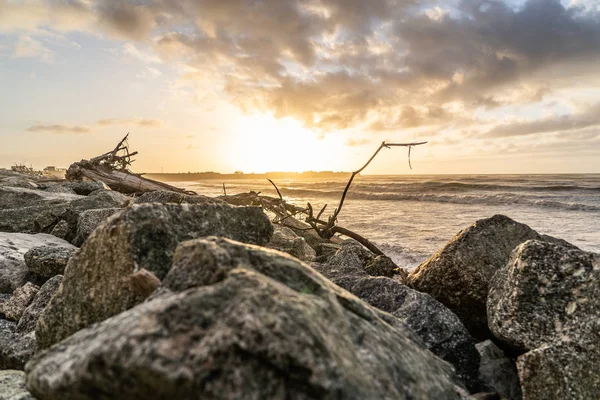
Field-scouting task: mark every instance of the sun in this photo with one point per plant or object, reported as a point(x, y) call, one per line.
point(264, 143)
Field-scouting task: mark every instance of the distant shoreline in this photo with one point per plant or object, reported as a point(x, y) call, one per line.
point(195, 176)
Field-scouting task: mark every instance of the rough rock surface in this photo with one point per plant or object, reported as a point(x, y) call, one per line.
point(497, 372)
point(80, 188)
point(15, 349)
point(43, 218)
point(252, 323)
point(13, 246)
point(13, 308)
point(29, 319)
point(19, 197)
point(89, 220)
point(12, 386)
point(99, 281)
point(61, 229)
point(458, 275)
point(439, 328)
point(165, 196)
point(284, 239)
point(49, 261)
point(547, 300)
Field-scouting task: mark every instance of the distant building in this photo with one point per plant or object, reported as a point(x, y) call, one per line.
point(51, 170)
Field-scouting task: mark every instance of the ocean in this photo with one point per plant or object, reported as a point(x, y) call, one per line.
point(411, 217)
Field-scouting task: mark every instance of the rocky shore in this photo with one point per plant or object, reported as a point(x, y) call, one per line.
point(176, 296)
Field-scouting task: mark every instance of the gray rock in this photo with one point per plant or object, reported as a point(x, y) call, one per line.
point(562, 370)
point(15, 306)
point(254, 324)
point(87, 188)
point(13, 246)
point(546, 300)
point(89, 220)
point(15, 349)
point(165, 196)
point(19, 197)
point(43, 218)
point(21, 182)
point(284, 239)
point(31, 314)
point(12, 386)
point(440, 329)
point(98, 280)
point(49, 261)
point(458, 275)
point(497, 372)
point(61, 229)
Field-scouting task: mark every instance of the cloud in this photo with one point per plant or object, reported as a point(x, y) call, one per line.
point(58, 129)
point(107, 122)
point(346, 64)
point(587, 118)
point(28, 47)
point(149, 123)
point(357, 142)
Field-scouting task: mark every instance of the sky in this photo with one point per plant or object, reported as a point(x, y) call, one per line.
point(494, 86)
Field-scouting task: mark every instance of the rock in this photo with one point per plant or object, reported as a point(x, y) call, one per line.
point(15, 349)
point(89, 220)
point(13, 246)
point(13, 309)
point(254, 323)
point(441, 330)
point(561, 371)
point(546, 292)
point(43, 218)
point(458, 275)
point(497, 372)
point(87, 188)
point(384, 266)
point(19, 197)
point(284, 239)
point(97, 282)
point(546, 300)
point(12, 386)
point(40, 301)
point(49, 261)
point(165, 196)
point(15, 181)
point(61, 229)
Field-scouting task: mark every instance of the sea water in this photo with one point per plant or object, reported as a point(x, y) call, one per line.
point(411, 217)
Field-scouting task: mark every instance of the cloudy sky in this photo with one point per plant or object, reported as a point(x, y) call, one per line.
point(495, 86)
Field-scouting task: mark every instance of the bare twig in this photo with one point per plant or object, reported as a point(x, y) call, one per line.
point(224, 190)
point(333, 219)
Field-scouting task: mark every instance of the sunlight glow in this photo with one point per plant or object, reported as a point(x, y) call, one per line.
point(264, 143)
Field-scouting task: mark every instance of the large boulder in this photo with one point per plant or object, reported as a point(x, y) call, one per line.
point(13, 246)
point(284, 239)
point(44, 217)
point(440, 329)
point(244, 323)
point(48, 261)
point(89, 220)
point(12, 386)
point(14, 308)
point(103, 278)
point(497, 372)
point(78, 187)
point(546, 301)
point(458, 275)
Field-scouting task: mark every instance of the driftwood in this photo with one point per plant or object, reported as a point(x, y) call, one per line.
point(112, 168)
point(327, 229)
